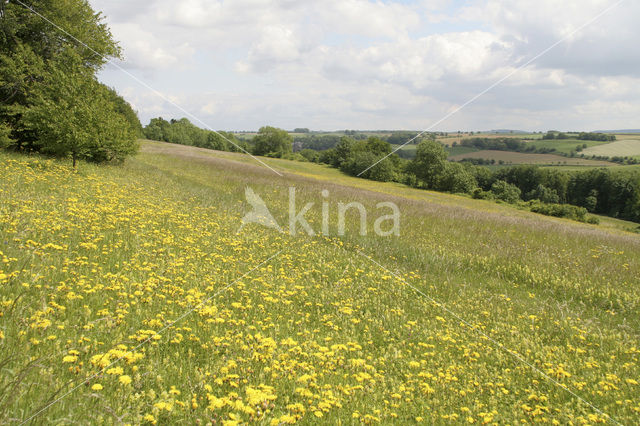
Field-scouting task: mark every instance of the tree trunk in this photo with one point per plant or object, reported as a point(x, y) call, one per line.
point(73, 156)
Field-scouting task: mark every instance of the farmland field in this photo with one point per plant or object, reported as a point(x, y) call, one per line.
point(129, 295)
point(525, 158)
point(619, 148)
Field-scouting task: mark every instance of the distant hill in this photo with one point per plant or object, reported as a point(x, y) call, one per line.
point(506, 131)
point(619, 131)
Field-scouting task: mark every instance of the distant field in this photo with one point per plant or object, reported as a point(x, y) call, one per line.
point(523, 158)
point(460, 150)
point(452, 150)
point(569, 168)
point(564, 145)
point(620, 148)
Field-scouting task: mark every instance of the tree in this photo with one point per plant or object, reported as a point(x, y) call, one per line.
point(157, 129)
point(456, 178)
point(49, 96)
point(74, 115)
point(505, 191)
point(272, 142)
point(311, 155)
point(5, 136)
point(544, 194)
point(429, 164)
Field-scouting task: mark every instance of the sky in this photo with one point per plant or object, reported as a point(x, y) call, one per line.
point(360, 64)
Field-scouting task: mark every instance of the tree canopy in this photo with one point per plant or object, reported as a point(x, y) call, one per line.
point(272, 142)
point(50, 98)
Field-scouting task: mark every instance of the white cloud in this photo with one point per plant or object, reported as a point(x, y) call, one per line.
point(143, 49)
point(373, 63)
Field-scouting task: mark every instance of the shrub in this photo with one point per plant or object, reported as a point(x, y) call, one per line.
point(505, 191)
point(560, 210)
point(310, 155)
point(594, 220)
point(479, 194)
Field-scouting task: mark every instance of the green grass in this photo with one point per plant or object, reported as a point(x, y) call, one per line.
point(320, 333)
point(619, 148)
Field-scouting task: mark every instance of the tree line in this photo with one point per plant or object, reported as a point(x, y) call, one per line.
point(50, 99)
point(584, 136)
point(502, 144)
point(547, 191)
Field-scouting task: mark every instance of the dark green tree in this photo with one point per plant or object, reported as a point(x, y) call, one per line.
point(272, 142)
point(73, 115)
point(429, 164)
point(505, 191)
point(45, 68)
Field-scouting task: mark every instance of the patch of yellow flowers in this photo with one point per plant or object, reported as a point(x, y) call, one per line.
point(97, 266)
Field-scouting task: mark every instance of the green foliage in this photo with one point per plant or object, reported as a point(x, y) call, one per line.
point(19, 26)
point(184, 132)
point(591, 136)
point(310, 155)
point(505, 191)
point(528, 178)
point(316, 142)
point(49, 97)
point(74, 115)
point(480, 194)
point(383, 171)
point(457, 178)
point(356, 158)
point(272, 142)
point(5, 136)
point(402, 137)
point(329, 156)
point(544, 194)
point(551, 134)
point(560, 210)
point(429, 164)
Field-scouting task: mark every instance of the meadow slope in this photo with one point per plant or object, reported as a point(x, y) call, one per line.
point(127, 295)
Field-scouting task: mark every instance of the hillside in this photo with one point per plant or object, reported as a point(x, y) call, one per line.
point(130, 295)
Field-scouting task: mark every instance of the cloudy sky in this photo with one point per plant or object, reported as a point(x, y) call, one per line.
point(371, 64)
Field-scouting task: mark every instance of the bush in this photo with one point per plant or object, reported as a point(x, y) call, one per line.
point(560, 210)
point(506, 192)
point(479, 194)
point(594, 220)
point(296, 156)
point(310, 155)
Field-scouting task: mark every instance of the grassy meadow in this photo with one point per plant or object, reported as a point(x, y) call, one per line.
point(620, 148)
point(127, 295)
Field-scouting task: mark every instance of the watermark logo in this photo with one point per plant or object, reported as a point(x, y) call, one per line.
point(387, 222)
point(259, 214)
